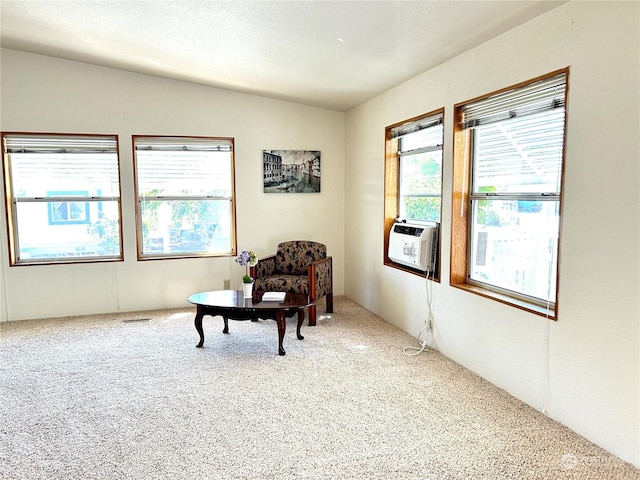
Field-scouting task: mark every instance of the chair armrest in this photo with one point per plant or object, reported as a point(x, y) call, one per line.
point(320, 278)
point(266, 266)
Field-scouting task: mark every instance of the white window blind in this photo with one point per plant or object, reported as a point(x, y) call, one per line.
point(186, 144)
point(546, 94)
point(184, 166)
point(416, 125)
point(46, 163)
point(21, 143)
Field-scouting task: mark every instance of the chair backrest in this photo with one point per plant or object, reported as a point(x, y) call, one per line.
point(294, 257)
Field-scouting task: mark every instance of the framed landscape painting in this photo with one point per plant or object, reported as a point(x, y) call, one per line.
point(291, 171)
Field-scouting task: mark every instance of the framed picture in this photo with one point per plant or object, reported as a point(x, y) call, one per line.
point(291, 171)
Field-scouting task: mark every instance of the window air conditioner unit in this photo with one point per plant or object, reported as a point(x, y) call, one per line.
point(414, 245)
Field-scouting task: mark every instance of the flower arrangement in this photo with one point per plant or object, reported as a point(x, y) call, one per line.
point(247, 259)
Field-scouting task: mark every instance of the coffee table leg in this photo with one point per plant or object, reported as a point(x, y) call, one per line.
point(282, 327)
point(226, 325)
point(198, 322)
point(300, 320)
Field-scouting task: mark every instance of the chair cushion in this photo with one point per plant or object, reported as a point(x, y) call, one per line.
point(283, 283)
point(292, 258)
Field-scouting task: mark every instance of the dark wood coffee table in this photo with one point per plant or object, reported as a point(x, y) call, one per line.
point(230, 304)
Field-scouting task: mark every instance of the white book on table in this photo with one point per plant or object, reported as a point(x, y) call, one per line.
point(273, 296)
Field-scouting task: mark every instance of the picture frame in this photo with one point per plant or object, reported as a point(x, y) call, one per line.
point(291, 171)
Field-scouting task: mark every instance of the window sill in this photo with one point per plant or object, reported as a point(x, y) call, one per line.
point(432, 276)
point(507, 300)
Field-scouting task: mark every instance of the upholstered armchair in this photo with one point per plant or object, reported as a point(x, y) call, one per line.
point(298, 266)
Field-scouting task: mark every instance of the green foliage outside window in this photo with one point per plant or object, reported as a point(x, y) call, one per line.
point(192, 224)
point(107, 232)
point(421, 181)
point(422, 208)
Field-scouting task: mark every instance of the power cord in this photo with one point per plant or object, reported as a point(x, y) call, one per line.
point(547, 339)
point(429, 321)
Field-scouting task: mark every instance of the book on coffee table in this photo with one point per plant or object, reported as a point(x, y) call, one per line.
point(273, 296)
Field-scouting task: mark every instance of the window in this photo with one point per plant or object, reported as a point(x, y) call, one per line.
point(413, 172)
point(506, 228)
point(63, 198)
point(68, 212)
point(185, 192)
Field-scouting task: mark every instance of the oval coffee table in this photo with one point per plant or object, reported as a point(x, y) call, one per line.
point(230, 304)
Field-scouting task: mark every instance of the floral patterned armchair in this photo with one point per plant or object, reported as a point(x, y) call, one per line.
point(299, 266)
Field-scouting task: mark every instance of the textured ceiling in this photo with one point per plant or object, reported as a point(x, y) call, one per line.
point(331, 54)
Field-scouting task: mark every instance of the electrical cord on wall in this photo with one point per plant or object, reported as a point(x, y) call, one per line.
point(547, 340)
point(115, 285)
point(545, 395)
point(4, 295)
point(430, 320)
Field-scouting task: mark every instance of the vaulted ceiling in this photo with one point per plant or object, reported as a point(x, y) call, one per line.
point(330, 54)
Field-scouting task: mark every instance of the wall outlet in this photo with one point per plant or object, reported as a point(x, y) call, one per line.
point(227, 284)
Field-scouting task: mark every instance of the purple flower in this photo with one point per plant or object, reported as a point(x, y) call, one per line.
point(247, 259)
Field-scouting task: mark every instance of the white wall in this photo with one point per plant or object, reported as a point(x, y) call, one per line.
point(582, 370)
point(44, 94)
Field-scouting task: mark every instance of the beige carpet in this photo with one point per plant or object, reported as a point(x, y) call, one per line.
point(104, 397)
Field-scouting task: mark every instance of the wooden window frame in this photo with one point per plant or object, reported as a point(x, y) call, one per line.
point(460, 214)
point(85, 198)
point(141, 256)
point(392, 192)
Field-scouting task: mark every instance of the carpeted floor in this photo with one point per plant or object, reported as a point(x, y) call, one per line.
point(128, 396)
